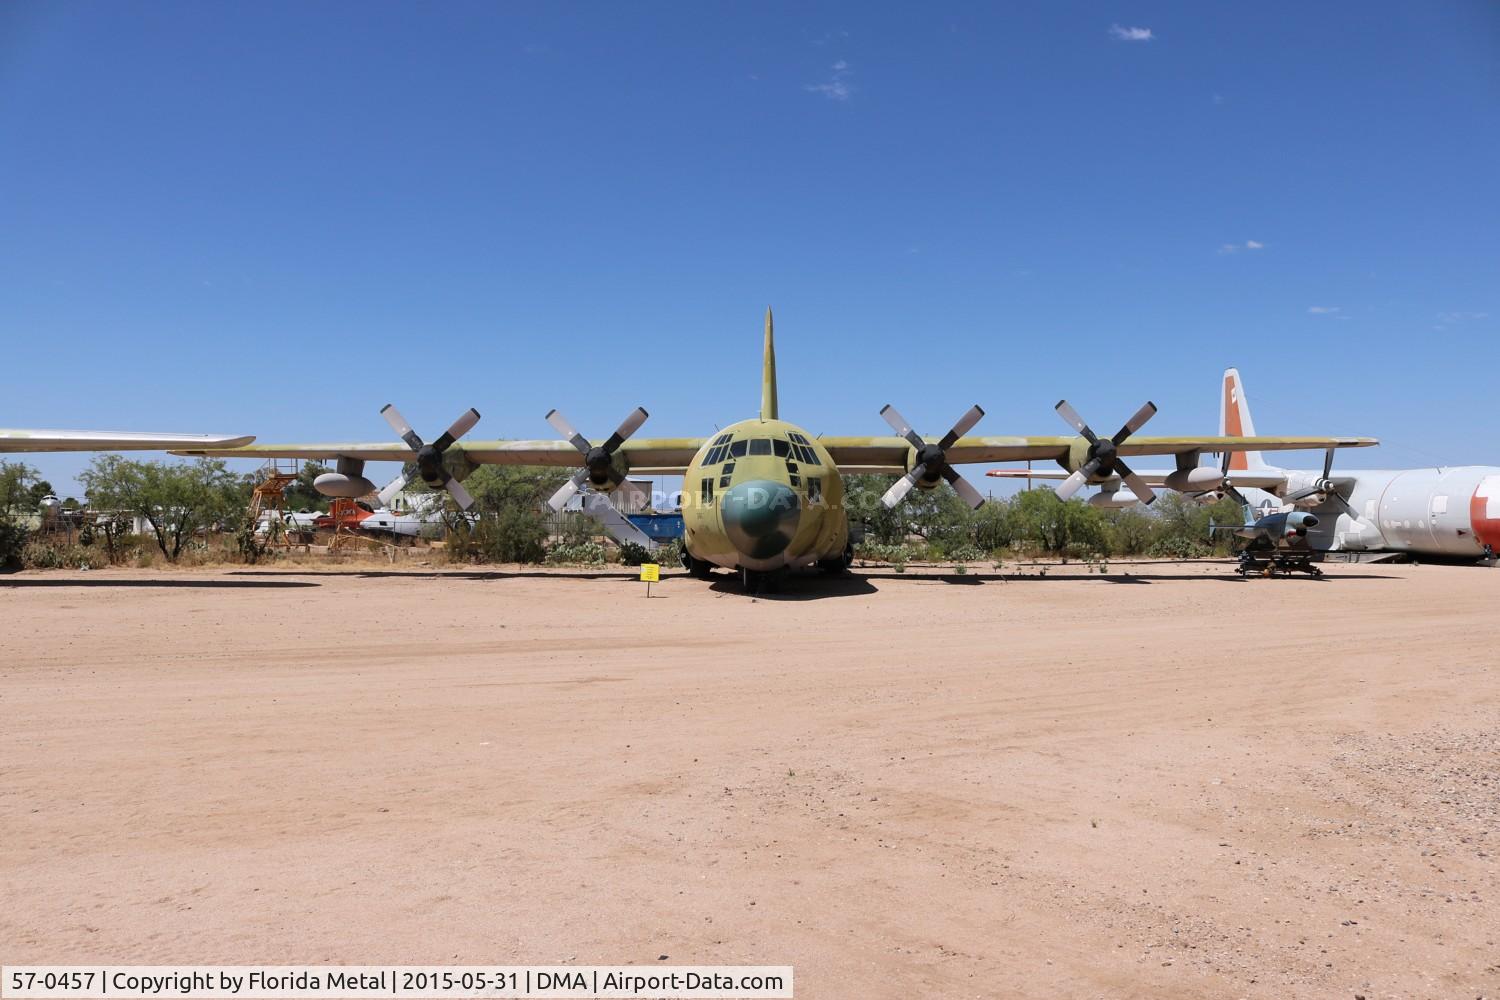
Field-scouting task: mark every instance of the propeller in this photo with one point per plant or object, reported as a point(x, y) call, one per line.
point(1324, 489)
point(429, 456)
point(932, 459)
point(1226, 485)
point(598, 465)
point(1103, 455)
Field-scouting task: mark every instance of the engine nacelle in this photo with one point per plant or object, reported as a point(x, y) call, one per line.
point(1115, 500)
point(1199, 479)
point(337, 484)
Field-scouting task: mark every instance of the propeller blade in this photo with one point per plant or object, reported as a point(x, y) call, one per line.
point(1072, 485)
point(1136, 422)
point(617, 524)
point(458, 493)
point(1069, 414)
point(963, 487)
point(627, 427)
point(400, 426)
point(561, 425)
point(901, 487)
point(565, 492)
point(1327, 463)
point(460, 427)
point(638, 497)
point(1138, 486)
point(901, 427)
point(392, 488)
point(964, 425)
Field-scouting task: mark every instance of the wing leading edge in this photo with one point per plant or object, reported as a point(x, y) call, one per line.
point(49, 440)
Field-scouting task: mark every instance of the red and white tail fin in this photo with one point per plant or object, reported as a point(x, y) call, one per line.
point(1235, 421)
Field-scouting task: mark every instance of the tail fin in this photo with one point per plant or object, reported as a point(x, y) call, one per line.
point(768, 374)
point(1235, 421)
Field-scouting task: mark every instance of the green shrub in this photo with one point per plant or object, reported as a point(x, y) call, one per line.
point(1177, 547)
point(46, 554)
point(579, 554)
point(12, 543)
point(631, 554)
point(513, 534)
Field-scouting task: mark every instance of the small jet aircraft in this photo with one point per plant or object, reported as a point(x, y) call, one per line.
point(1273, 543)
point(762, 495)
point(12, 440)
point(1451, 512)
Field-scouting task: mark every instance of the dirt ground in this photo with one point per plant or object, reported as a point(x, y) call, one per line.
point(1164, 782)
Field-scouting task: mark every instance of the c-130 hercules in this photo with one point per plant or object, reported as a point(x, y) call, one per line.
point(761, 496)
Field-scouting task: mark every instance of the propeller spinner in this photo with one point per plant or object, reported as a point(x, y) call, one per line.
point(429, 458)
point(932, 459)
point(1103, 454)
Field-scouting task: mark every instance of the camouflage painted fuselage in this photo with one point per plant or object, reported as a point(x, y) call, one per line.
point(763, 495)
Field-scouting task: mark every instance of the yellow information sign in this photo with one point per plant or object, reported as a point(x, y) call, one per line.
point(650, 572)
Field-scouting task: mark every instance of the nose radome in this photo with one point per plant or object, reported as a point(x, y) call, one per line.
point(760, 517)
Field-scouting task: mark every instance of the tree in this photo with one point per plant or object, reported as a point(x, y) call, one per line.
point(176, 499)
point(938, 515)
point(508, 502)
point(17, 480)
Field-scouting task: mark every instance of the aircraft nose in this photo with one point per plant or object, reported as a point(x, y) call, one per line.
point(760, 517)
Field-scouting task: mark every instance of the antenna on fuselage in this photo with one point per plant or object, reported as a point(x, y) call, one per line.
point(768, 374)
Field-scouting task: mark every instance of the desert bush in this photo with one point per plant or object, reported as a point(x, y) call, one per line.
point(510, 534)
point(632, 554)
point(43, 553)
point(578, 554)
point(12, 543)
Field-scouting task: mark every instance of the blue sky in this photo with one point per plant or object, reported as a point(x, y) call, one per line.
point(273, 218)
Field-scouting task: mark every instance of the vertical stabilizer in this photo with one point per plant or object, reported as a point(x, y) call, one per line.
point(768, 375)
point(1235, 421)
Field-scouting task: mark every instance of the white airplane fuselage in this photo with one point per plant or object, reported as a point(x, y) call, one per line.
point(1453, 512)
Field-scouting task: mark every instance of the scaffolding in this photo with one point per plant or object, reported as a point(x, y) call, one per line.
point(268, 499)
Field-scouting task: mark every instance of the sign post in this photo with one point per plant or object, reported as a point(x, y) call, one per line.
point(650, 573)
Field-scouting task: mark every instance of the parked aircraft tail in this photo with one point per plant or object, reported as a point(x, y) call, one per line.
point(1235, 421)
point(768, 374)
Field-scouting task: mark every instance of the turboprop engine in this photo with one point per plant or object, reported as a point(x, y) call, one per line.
point(1094, 459)
point(1115, 499)
point(928, 461)
point(1198, 479)
point(349, 480)
point(348, 483)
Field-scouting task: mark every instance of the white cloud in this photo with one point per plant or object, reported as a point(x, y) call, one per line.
point(1130, 34)
point(1323, 310)
point(1254, 245)
point(838, 87)
point(1237, 247)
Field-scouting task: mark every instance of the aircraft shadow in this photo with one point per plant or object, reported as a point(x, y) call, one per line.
point(625, 573)
point(1132, 578)
point(796, 587)
point(167, 584)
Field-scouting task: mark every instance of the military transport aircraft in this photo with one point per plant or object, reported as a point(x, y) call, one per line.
point(762, 495)
point(1450, 511)
point(30, 440)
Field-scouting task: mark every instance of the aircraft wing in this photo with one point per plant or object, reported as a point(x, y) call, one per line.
point(670, 456)
point(1155, 477)
point(35, 440)
point(888, 454)
point(647, 456)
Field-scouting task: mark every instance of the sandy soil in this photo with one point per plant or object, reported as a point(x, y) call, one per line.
point(1171, 783)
